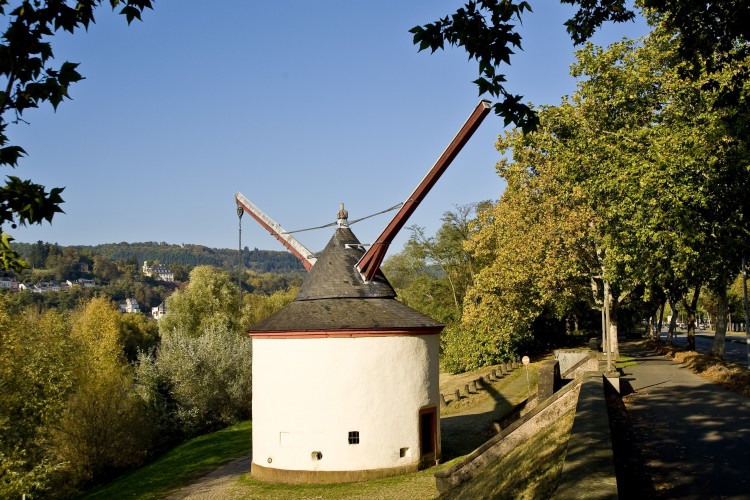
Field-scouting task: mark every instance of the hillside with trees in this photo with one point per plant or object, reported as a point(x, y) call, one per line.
point(179, 256)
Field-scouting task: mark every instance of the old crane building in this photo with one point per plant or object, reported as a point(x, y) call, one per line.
point(346, 377)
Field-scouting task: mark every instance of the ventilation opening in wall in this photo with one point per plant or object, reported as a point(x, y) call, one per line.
point(316, 455)
point(353, 437)
point(403, 452)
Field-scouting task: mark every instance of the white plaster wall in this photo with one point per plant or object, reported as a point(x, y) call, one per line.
point(315, 391)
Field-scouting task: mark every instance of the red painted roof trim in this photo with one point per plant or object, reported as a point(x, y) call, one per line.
point(321, 334)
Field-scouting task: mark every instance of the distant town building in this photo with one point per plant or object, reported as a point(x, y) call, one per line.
point(9, 283)
point(159, 271)
point(159, 311)
point(129, 306)
point(46, 286)
point(81, 282)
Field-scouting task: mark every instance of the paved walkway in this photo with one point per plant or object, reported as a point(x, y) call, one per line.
point(735, 347)
point(694, 436)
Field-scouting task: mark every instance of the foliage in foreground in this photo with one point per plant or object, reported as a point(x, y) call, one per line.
point(192, 384)
point(76, 409)
point(29, 80)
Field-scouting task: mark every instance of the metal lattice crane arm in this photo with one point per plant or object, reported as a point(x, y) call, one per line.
point(370, 262)
point(303, 254)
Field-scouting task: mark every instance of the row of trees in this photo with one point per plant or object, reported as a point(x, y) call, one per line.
point(629, 197)
point(634, 189)
point(180, 258)
point(88, 393)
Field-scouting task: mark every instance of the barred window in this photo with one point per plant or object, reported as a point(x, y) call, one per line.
point(353, 437)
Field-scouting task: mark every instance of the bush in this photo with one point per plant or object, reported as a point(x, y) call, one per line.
point(200, 383)
point(101, 430)
point(467, 349)
point(104, 429)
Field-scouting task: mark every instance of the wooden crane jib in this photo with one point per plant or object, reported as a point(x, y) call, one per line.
point(290, 242)
point(370, 262)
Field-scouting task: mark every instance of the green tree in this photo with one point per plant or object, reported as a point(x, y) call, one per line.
point(257, 307)
point(540, 256)
point(432, 274)
point(621, 186)
point(29, 80)
point(37, 359)
point(137, 333)
point(104, 269)
point(419, 284)
point(208, 302)
point(196, 383)
point(103, 428)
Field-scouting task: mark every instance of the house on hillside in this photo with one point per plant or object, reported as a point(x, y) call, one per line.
point(46, 286)
point(9, 283)
point(129, 306)
point(159, 311)
point(159, 271)
point(80, 282)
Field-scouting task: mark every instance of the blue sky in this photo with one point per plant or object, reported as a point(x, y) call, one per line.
point(298, 105)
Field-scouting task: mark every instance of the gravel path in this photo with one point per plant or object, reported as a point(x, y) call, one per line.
point(219, 485)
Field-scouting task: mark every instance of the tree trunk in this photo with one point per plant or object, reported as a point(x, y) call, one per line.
point(722, 309)
point(661, 319)
point(610, 308)
point(614, 345)
point(605, 325)
point(673, 320)
point(690, 311)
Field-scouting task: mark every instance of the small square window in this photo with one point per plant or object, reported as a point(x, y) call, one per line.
point(353, 437)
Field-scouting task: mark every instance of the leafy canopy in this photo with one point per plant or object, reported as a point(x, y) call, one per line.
point(710, 33)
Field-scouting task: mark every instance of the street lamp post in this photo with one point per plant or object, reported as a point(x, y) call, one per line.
point(240, 211)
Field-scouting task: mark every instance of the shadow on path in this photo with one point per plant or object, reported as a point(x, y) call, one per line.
point(463, 433)
point(693, 437)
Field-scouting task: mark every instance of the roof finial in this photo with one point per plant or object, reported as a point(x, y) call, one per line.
point(342, 217)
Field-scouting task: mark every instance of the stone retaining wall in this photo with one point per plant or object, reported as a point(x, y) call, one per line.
point(589, 468)
point(499, 445)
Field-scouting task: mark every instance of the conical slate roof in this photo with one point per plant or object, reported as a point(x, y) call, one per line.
point(334, 274)
point(335, 298)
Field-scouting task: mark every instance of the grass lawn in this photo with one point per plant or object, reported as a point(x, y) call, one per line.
point(181, 465)
point(625, 361)
point(414, 486)
point(201, 455)
point(531, 470)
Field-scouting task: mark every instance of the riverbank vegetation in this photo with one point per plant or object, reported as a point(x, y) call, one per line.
point(77, 408)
